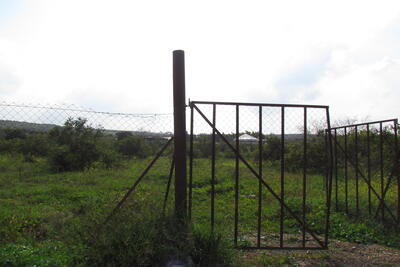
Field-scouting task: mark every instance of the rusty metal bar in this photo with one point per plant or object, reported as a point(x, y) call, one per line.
point(356, 159)
point(260, 165)
point(179, 133)
point(304, 175)
point(282, 176)
point(369, 168)
point(362, 124)
point(329, 198)
point(381, 165)
point(137, 181)
point(213, 172)
point(336, 174)
point(326, 187)
point(397, 167)
point(259, 104)
point(237, 177)
point(275, 195)
point(171, 172)
point(191, 162)
point(346, 181)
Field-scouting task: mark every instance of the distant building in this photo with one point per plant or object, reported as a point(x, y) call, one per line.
point(247, 139)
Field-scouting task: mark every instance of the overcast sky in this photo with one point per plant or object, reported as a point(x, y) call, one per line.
point(117, 55)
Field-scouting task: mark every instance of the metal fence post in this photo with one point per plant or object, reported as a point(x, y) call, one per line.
point(179, 133)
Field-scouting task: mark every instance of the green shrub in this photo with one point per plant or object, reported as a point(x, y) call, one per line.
point(134, 146)
point(109, 156)
point(143, 237)
point(75, 146)
point(14, 133)
point(36, 144)
point(211, 249)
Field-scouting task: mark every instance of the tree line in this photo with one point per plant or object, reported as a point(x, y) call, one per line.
point(78, 146)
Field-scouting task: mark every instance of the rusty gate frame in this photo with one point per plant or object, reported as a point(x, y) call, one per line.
point(322, 244)
point(395, 170)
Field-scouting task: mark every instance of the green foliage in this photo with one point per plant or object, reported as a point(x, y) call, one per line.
point(76, 146)
point(123, 135)
point(272, 149)
point(44, 254)
point(134, 146)
point(211, 248)
point(272, 261)
point(148, 239)
point(48, 219)
point(317, 161)
point(14, 133)
point(36, 144)
point(364, 230)
point(109, 156)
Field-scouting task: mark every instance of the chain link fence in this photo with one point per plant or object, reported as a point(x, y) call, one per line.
point(41, 118)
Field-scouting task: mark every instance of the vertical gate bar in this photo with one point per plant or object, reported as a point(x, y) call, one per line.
point(179, 133)
point(191, 162)
point(336, 173)
point(327, 170)
point(213, 172)
point(346, 190)
point(282, 174)
point(369, 168)
point(260, 138)
point(237, 177)
point(381, 165)
point(328, 204)
point(304, 176)
point(356, 159)
point(396, 147)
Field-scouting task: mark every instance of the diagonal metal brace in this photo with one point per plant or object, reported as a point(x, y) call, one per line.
point(114, 211)
point(366, 181)
point(171, 172)
point(394, 170)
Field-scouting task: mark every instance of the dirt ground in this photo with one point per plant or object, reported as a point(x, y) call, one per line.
point(339, 254)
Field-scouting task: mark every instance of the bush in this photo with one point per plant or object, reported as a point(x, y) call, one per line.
point(109, 156)
point(134, 146)
point(316, 156)
point(14, 133)
point(75, 146)
point(142, 237)
point(36, 144)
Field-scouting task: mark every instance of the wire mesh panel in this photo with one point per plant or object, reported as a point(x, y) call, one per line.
point(45, 117)
point(366, 170)
point(72, 138)
point(260, 172)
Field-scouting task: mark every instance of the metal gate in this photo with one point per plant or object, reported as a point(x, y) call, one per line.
point(366, 170)
point(269, 191)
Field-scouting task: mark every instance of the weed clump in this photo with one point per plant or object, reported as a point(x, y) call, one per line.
point(146, 238)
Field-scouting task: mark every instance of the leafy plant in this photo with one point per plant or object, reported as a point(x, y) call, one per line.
point(75, 145)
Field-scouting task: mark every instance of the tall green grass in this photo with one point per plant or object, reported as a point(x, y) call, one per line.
point(53, 219)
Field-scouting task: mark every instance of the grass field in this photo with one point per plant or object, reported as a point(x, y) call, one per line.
point(52, 219)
